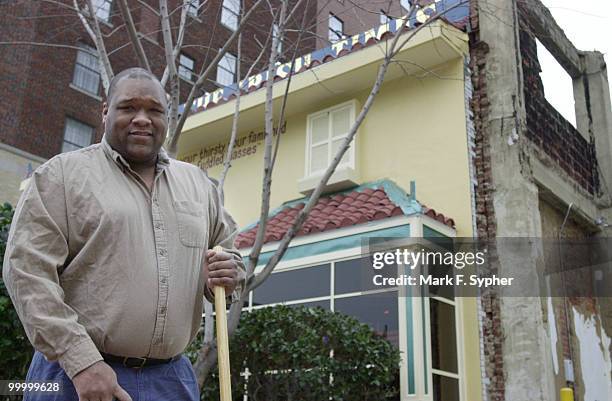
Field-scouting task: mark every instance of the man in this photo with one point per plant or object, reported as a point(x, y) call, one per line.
point(105, 258)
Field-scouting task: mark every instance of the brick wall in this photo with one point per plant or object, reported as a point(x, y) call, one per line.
point(35, 80)
point(489, 308)
point(548, 129)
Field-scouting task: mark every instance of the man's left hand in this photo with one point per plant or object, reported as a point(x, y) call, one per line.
point(222, 270)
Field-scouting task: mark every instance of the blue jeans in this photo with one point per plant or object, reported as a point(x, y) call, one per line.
point(173, 381)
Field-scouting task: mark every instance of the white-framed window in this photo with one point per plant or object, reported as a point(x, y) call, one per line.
point(226, 70)
point(384, 18)
point(193, 7)
point(186, 67)
point(230, 13)
point(87, 71)
point(102, 9)
point(326, 131)
point(77, 135)
point(276, 34)
point(336, 28)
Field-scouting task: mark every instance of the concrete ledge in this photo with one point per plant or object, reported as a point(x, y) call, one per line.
point(552, 36)
point(556, 189)
point(22, 153)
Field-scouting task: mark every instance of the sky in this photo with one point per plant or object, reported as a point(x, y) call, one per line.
point(588, 24)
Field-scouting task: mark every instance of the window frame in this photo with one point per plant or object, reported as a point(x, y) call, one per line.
point(78, 122)
point(228, 14)
point(193, 8)
point(220, 66)
point(331, 31)
point(421, 322)
point(78, 65)
point(107, 13)
point(185, 68)
point(352, 105)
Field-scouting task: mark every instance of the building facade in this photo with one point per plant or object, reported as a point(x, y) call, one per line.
point(401, 141)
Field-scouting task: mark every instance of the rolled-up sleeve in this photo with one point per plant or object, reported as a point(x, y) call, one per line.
point(223, 232)
point(37, 248)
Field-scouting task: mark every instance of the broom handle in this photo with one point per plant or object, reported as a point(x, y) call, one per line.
point(225, 384)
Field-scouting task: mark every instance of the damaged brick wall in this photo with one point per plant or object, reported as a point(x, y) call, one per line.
point(491, 329)
point(548, 129)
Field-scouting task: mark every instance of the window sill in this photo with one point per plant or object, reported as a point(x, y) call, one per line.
point(344, 177)
point(83, 91)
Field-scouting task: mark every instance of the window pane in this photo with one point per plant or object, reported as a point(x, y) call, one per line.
point(379, 311)
point(86, 75)
point(314, 304)
point(341, 122)
point(76, 135)
point(443, 336)
point(186, 65)
point(319, 127)
point(405, 4)
point(336, 28)
point(228, 62)
point(229, 13)
point(445, 388)
point(336, 145)
point(357, 275)
point(102, 9)
point(303, 283)
point(192, 8)
point(87, 59)
point(319, 158)
point(232, 5)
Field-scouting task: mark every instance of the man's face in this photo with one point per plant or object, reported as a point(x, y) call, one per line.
point(135, 120)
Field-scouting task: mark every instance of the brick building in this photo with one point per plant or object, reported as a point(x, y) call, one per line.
point(52, 95)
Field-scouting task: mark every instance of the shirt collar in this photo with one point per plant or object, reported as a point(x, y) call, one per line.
point(163, 160)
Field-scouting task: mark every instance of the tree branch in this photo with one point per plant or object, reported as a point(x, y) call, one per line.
point(269, 129)
point(106, 71)
point(131, 28)
point(202, 79)
point(170, 64)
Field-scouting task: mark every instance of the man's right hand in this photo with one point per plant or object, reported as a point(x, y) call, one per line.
point(99, 382)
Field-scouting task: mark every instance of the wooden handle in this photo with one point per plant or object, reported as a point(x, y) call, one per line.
point(225, 383)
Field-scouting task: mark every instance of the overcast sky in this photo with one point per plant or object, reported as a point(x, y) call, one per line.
point(588, 24)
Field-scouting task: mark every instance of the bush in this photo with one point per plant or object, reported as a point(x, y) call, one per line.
point(287, 352)
point(15, 349)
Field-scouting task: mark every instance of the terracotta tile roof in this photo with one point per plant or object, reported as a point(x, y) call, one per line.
point(361, 205)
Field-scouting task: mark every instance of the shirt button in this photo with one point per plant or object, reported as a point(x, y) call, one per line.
point(164, 280)
point(162, 310)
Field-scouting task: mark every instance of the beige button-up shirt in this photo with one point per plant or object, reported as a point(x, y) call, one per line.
point(95, 262)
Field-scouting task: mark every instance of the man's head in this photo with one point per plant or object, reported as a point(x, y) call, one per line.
point(135, 116)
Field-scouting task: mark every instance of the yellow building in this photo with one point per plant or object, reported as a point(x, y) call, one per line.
point(417, 131)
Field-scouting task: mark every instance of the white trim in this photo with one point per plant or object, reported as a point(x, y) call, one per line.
point(83, 91)
point(445, 374)
point(22, 153)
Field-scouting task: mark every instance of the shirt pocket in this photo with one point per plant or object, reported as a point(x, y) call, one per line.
point(192, 221)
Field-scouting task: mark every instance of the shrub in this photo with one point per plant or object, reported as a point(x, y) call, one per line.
point(287, 353)
point(15, 349)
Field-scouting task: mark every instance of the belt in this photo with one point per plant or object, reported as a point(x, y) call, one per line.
point(137, 363)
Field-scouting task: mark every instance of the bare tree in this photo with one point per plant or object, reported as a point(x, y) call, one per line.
point(284, 22)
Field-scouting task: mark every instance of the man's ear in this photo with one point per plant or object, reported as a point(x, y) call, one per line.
point(104, 112)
